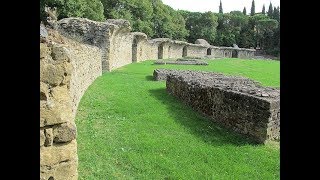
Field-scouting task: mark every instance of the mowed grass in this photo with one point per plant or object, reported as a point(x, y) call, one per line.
point(130, 128)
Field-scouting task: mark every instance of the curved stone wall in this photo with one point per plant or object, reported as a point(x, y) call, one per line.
point(66, 70)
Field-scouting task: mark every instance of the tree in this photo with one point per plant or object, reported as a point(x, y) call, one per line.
point(94, 10)
point(167, 22)
point(263, 10)
point(244, 11)
point(202, 25)
point(231, 28)
point(270, 11)
point(91, 9)
point(220, 8)
point(252, 8)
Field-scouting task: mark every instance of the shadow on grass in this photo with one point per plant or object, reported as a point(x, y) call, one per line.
point(204, 128)
point(149, 78)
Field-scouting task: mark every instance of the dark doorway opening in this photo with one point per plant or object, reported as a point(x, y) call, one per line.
point(134, 50)
point(184, 51)
point(160, 51)
point(235, 54)
point(209, 51)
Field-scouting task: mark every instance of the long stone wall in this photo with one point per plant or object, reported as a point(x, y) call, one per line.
point(119, 46)
point(66, 70)
point(234, 102)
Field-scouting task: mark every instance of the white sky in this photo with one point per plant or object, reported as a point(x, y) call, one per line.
point(213, 5)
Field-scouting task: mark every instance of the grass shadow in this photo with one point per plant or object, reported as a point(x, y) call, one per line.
point(150, 78)
point(204, 128)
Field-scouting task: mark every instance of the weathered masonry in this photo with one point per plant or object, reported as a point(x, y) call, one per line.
point(119, 46)
point(72, 57)
point(237, 103)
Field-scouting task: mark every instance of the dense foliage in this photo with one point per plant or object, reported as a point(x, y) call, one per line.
point(257, 30)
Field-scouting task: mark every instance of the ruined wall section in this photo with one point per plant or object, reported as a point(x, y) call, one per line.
point(237, 103)
point(121, 39)
point(176, 49)
point(86, 61)
point(112, 37)
point(58, 147)
point(197, 50)
point(67, 68)
point(246, 53)
point(89, 32)
point(119, 46)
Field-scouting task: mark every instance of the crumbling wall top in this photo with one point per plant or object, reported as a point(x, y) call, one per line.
point(202, 41)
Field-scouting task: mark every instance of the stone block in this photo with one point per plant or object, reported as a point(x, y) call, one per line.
point(59, 161)
point(60, 54)
point(53, 74)
point(64, 132)
point(55, 113)
point(61, 171)
point(53, 155)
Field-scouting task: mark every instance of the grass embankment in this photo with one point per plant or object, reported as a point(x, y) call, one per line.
point(130, 128)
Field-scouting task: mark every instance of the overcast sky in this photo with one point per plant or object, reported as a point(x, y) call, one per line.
point(213, 5)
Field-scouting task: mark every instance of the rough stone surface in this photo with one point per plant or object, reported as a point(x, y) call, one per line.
point(44, 91)
point(238, 103)
point(64, 132)
point(182, 62)
point(49, 137)
point(43, 31)
point(42, 138)
point(202, 41)
point(53, 155)
point(59, 161)
point(119, 46)
point(43, 50)
point(64, 170)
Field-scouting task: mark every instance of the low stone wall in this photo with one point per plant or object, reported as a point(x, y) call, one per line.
point(236, 103)
point(246, 53)
point(197, 50)
point(67, 68)
point(182, 62)
point(176, 49)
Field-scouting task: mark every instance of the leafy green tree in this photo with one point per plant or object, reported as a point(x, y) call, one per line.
point(168, 22)
point(231, 27)
point(91, 9)
point(263, 10)
point(201, 25)
point(253, 8)
point(94, 10)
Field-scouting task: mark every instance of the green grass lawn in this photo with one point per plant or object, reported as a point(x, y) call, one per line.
point(130, 128)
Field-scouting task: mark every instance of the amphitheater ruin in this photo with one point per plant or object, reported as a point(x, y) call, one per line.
point(79, 50)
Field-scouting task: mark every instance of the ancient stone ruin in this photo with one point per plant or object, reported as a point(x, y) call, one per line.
point(182, 62)
point(71, 57)
point(237, 103)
